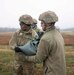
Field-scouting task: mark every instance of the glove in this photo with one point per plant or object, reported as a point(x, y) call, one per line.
point(17, 49)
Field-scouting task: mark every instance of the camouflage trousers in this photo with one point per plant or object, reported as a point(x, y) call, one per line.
point(24, 69)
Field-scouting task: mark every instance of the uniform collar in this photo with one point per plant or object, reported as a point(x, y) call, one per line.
point(50, 28)
point(26, 32)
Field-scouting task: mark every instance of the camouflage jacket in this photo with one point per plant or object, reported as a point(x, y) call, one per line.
point(20, 38)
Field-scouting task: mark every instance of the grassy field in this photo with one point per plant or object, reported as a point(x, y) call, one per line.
point(6, 62)
point(7, 57)
point(69, 51)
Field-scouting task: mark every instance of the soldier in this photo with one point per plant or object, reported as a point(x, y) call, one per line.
point(19, 38)
point(34, 26)
point(51, 47)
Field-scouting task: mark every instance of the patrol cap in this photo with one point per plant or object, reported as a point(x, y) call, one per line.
point(27, 19)
point(48, 17)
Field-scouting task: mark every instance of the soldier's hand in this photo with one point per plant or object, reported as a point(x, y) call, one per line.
point(17, 49)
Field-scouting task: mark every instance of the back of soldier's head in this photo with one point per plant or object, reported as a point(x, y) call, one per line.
point(34, 25)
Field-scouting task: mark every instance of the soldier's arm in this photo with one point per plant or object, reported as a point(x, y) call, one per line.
point(12, 42)
point(41, 55)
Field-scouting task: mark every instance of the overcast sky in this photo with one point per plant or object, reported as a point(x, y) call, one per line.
point(11, 10)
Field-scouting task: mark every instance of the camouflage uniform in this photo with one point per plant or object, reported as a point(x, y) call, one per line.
point(20, 38)
point(51, 48)
point(34, 26)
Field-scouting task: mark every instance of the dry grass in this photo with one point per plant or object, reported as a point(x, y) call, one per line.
point(69, 51)
point(5, 37)
point(7, 56)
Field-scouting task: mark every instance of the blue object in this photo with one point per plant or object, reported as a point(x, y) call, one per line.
point(30, 48)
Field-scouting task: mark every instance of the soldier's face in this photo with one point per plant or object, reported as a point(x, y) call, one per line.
point(43, 26)
point(24, 27)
